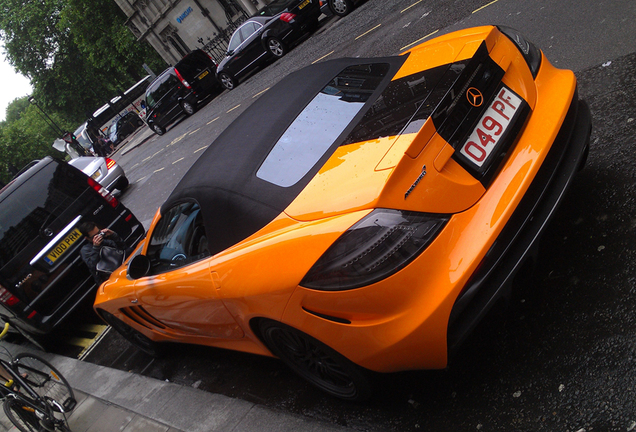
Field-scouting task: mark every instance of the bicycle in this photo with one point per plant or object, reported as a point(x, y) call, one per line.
point(36, 396)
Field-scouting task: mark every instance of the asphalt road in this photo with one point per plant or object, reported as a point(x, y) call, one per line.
point(562, 354)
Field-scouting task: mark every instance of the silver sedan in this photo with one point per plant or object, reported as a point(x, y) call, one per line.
point(104, 171)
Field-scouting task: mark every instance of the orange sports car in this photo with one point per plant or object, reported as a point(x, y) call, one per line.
point(363, 214)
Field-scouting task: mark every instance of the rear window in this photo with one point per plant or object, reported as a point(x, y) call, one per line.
point(36, 202)
point(193, 64)
point(160, 88)
point(322, 121)
point(275, 7)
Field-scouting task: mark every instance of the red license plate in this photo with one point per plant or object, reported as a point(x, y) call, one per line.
point(491, 127)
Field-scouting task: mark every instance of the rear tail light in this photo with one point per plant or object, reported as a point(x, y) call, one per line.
point(287, 17)
point(185, 83)
point(110, 163)
point(103, 192)
point(7, 298)
point(379, 245)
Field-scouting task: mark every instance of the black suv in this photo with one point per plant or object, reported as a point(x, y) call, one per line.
point(179, 89)
point(42, 277)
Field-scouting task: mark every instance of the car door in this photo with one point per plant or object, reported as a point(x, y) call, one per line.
point(250, 49)
point(179, 291)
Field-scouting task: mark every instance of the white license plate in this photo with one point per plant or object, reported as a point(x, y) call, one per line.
point(491, 127)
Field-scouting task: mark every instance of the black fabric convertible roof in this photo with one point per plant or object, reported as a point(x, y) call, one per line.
point(236, 203)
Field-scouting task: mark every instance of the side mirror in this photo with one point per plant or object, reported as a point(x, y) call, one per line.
point(138, 267)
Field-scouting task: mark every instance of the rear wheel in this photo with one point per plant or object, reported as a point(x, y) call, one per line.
point(45, 380)
point(122, 183)
point(276, 47)
point(187, 108)
point(228, 81)
point(316, 362)
point(136, 338)
point(158, 129)
point(341, 7)
point(23, 418)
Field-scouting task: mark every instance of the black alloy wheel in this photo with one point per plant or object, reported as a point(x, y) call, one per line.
point(276, 47)
point(158, 129)
point(228, 81)
point(139, 340)
point(188, 108)
point(341, 7)
point(316, 362)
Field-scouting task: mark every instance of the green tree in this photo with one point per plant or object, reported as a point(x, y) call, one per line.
point(25, 136)
point(77, 53)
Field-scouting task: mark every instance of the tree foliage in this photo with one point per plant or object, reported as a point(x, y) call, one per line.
point(24, 136)
point(78, 54)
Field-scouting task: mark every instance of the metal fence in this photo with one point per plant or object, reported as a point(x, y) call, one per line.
point(217, 45)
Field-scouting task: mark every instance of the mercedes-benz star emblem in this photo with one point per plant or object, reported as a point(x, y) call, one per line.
point(48, 232)
point(474, 96)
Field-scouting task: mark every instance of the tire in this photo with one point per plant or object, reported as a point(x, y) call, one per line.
point(23, 419)
point(158, 129)
point(122, 183)
point(45, 380)
point(341, 7)
point(316, 362)
point(276, 47)
point(227, 80)
point(188, 108)
point(137, 339)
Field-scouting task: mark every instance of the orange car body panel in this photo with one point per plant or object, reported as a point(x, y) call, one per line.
point(398, 323)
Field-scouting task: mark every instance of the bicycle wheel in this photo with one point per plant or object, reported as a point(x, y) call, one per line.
point(22, 417)
point(45, 380)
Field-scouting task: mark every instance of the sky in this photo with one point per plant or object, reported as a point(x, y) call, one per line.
point(13, 85)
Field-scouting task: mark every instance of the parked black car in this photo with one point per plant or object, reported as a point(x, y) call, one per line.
point(42, 277)
point(266, 36)
point(123, 126)
point(197, 71)
point(179, 89)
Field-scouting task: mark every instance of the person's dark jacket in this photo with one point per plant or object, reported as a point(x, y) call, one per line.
point(90, 254)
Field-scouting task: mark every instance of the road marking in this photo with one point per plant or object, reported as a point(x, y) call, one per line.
point(178, 160)
point(368, 31)
point(177, 139)
point(419, 40)
point(404, 10)
point(202, 148)
point(213, 120)
point(233, 109)
point(96, 341)
point(160, 169)
point(485, 6)
point(194, 131)
point(150, 157)
point(133, 166)
point(260, 93)
point(140, 179)
point(326, 55)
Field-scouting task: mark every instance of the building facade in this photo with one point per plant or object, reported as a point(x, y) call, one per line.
point(176, 27)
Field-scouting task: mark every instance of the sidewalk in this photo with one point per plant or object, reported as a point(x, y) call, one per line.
point(111, 400)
